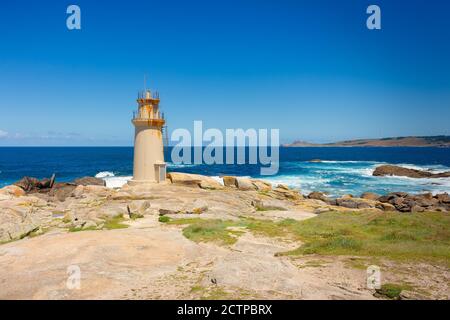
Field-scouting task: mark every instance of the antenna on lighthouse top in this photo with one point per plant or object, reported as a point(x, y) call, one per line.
point(145, 82)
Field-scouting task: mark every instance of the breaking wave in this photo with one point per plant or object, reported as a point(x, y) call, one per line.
point(333, 177)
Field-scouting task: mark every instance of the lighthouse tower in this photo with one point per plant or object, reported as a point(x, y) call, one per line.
point(149, 165)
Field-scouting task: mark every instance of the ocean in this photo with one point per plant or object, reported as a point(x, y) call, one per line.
point(341, 171)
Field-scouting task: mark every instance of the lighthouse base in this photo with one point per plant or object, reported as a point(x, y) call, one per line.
point(133, 182)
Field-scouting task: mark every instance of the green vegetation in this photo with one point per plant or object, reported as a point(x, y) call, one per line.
point(210, 293)
point(29, 233)
point(197, 288)
point(202, 230)
point(134, 216)
point(115, 223)
point(110, 224)
point(212, 230)
point(77, 229)
point(66, 220)
point(412, 236)
point(164, 219)
point(215, 294)
point(392, 290)
point(313, 264)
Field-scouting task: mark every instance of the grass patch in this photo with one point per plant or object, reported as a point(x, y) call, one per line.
point(77, 229)
point(110, 224)
point(115, 223)
point(392, 290)
point(210, 293)
point(134, 216)
point(361, 263)
point(415, 236)
point(164, 219)
point(202, 230)
point(215, 294)
point(197, 289)
point(421, 236)
point(212, 231)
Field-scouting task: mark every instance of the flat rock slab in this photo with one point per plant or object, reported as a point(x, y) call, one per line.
point(110, 262)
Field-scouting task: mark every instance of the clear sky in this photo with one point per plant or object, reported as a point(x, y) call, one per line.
point(310, 68)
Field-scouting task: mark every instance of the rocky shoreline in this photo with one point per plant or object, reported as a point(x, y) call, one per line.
point(391, 170)
point(32, 206)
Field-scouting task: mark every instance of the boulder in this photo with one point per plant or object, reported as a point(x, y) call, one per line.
point(262, 185)
point(174, 207)
point(83, 191)
point(427, 196)
point(282, 193)
point(47, 183)
point(28, 183)
point(210, 184)
point(12, 190)
point(139, 207)
point(193, 180)
point(89, 225)
point(270, 204)
point(443, 198)
point(370, 196)
point(317, 196)
point(21, 216)
point(417, 208)
point(405, 202)
point(245, 184)
point(351, 204)
point(90, 181)
point(34, 184)
point(356, 203)
point(62, 190)
point(321, 210)
point(197, 207)
point(384, 206)
point(229, 181)
point(390, 170)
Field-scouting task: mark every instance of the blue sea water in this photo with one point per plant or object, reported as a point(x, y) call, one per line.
point(342, 170)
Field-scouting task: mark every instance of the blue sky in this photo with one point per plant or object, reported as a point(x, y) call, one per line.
point(310, 68)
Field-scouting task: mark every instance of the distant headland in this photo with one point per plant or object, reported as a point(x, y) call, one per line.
point(412, 141)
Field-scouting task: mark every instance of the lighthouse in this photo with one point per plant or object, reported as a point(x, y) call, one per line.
point(149, 165)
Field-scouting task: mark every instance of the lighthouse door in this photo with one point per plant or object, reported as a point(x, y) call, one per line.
point(160, 172)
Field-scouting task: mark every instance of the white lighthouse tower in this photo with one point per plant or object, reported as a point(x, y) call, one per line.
point(149, 165)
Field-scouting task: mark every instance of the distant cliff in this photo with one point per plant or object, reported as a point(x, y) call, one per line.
point(431, 141)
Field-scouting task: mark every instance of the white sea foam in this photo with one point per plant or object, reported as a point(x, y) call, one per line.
point(345, 161)
point(341, 177)
point(117, 182)
point(111, 180)
point(335, 177)
point(430, 168)
point(218, 179)
point(104, 174)
point(181, 165)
